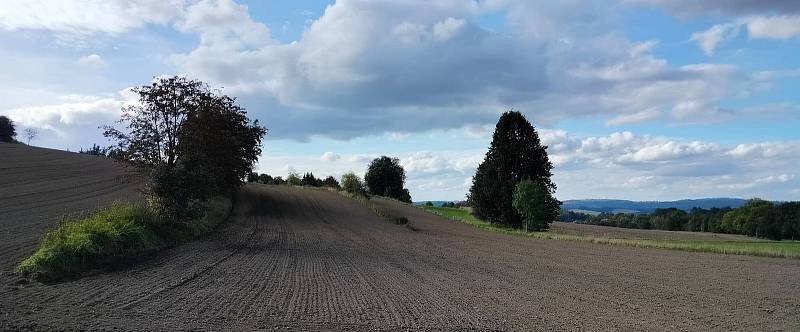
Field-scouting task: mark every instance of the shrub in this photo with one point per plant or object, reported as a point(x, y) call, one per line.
point(108, 234)
point(353, 185)
point(119, 232)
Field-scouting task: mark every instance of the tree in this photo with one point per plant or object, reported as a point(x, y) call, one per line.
point(531, 201)
point(30, 134)
point(385, 177)
point(152, 129)
point(429, 204)
point(310, 180)
point(331, 182)
point(8, 130)
point(195, 142)
point(252, 177)
point(352, 184)
point(293, 179)
point(515, 154)
point(266, 179)
point(218, 143)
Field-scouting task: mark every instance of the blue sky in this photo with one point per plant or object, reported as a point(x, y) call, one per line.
point(636, 99)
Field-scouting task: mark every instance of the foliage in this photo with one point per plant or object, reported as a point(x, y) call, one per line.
point(530, 200)
point(252, 177)
point(122, 231)
point(217, 142)
point(97, 150)
point(385, 177)
point(293, 179)
point(310, 180)
point(572, 216)
point(756, 218)
point(353, 185)
point(196, 143)
point(8, 130)
point(429, 204)
point(331, 182)
point(515, 154)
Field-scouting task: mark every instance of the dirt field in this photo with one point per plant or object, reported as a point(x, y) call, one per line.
point(39, 186)
point(293, 259)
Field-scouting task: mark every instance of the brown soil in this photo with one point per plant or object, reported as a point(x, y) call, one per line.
point(291, 258)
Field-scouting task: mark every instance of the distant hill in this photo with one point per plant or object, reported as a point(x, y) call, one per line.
point(625, 206)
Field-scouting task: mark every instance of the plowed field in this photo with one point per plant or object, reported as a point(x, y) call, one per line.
point(292, 258)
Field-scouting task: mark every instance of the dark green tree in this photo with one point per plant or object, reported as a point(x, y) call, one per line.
point(331, 182)
point(385, 177)
point(310, 180)
point(8, 131)
point(515, 154)
point(194, 141)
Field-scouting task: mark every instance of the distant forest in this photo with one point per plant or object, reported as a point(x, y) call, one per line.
point(756, 217)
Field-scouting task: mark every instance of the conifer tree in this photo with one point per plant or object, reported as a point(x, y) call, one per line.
point(515, 154)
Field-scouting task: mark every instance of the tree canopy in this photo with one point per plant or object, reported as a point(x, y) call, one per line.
point(385, 177)
point(531, 201)
point(515, 154)
point(195, 142)
point(8, 131)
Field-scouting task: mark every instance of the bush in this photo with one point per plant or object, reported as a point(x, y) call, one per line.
point(353, 185)
point(122, 231)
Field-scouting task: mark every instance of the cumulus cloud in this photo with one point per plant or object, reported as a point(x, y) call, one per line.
point(74, 119)
point(93, 60)
point(366, 68)
point(773, 27)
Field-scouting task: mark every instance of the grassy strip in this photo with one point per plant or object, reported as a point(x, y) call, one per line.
point(383, 213)
point(781, 249)
point(120, 232)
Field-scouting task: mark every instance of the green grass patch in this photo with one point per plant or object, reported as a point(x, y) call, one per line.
point(120, 232)
point(782, 249)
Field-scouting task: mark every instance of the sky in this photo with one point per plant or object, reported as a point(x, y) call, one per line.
point(635, 99)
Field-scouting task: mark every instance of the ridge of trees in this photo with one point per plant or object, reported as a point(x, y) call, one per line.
point(757, 218)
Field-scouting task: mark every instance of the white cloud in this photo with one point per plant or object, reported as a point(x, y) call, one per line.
point(448, 28)
point(77, 17)
point(714, 36)
point(773, 27)
point(93, 60)
point(330, 156)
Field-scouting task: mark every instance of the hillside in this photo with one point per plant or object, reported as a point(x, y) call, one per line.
point(291, 258)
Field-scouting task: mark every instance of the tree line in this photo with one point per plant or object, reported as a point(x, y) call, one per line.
point(758, 218)
point(385, 177)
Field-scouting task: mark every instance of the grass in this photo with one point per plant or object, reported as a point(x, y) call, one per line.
point(120, 232)
point(782, 249)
